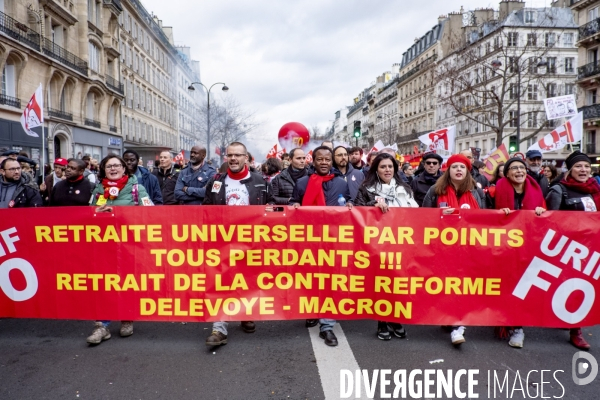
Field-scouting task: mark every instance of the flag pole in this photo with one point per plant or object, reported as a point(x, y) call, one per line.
point(43, 166)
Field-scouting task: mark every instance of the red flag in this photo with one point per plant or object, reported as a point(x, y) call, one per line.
point(179, 157)
point(280, 153)
point(500, 155)
point(273, 152)
point(218, 150)
point(309, 159)
point(33, 115)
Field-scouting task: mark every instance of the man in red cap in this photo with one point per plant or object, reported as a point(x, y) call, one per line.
point(60, 164)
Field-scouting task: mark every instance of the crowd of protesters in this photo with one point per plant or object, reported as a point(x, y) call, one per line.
point(337, 176)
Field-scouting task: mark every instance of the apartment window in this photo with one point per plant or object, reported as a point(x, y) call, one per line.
point(568, 39)
point(94, 57)
point(532, 92)
point(592, 14)
point(532, 119)
point(529, 17)
point(513, 119)
point(513, 39)
point(569, 64)
point(513, 63)
point(531, 39)
point(533, 65)
point(550, 39)
point(551, 90)
point(89, 109)
point(8, 79)
point(98, 13)
point(591, 97)
point(513, 91)
point(551, 68)
point(569, 88)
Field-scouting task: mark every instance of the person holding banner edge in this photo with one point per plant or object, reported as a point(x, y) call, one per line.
point(455, 189)
point(116, 187)
point(384, 188)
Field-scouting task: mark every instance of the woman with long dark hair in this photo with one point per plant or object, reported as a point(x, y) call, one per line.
point(384, 188)
point(456, 188)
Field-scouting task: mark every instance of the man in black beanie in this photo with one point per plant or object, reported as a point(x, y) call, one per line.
point(420, 185)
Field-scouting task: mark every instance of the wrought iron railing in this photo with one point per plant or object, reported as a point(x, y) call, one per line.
point(19, 31)
point(590, 69)
point(60, 114)
point(114, 84)
point(91, 122)
point(10, 101)
point(589, 29)
point(112, 128)
point(63, 56)
point(590, 112)
point(590, 148)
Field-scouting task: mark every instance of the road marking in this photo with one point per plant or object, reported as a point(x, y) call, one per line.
point(330, 360)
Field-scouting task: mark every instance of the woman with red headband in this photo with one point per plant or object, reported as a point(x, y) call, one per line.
point(455, 189)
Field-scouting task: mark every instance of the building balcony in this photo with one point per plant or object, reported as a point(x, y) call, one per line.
point(63, 56)
point(590, 148)
point(589, 30)
point(588, 70)
point(591, 112)
point(10, 101)
point(64, 8)
point(92, 122)
point(60, 114)
point(114, 84)
point(18, 31)
point(112, 128)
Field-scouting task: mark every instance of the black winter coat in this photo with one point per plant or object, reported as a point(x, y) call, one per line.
point(421, 184)
point(283, 187)
point(260, 192)
point(26, 194)
point(67, 193)
point(542, 180)
point(167, 182)
point(481, 179)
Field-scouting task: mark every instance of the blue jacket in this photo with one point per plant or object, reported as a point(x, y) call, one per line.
point(196, 184)
point(354, 179)
point(150, 183)
point(332, 189)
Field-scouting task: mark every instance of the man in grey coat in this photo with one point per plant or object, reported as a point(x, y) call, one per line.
point(352, 176)
point(191, 184)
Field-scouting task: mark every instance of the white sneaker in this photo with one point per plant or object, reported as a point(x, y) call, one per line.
point(457, 335)
point(516, 338)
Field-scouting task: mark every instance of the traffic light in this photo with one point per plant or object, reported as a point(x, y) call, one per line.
point(357, 129)
point(512, 144)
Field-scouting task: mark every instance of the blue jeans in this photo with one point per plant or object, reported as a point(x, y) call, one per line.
point(220, 326)
point(326, 324)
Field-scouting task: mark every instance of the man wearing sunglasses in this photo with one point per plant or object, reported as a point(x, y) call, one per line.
point(426, 179)
point(16, 189)
point(60, 165)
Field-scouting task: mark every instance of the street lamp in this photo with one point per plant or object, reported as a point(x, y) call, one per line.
point(497, 64)
point(192, 88)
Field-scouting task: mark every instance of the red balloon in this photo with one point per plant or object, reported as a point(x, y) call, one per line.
point(293, 135)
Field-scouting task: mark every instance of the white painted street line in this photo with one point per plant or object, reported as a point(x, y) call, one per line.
point(330, 360)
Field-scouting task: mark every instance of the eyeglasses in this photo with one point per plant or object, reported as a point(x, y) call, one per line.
point(13, 169)
point(113, 166)
point(431, 162)
point(518, 168)
point(235, 155)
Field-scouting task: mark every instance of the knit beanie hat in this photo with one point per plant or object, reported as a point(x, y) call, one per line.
point(433, 155)
point(575, 157)
point(459, 158)
point(511, 161)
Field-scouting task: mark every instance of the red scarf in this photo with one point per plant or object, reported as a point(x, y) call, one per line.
point(119, 184)
point(453, 202)
point(314, 195)
point(591, 186)
point(238, 176)
point(505, 195)
point(80, 177)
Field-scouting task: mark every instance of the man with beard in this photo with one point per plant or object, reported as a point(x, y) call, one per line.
point(60, 164)
point(15, 189)
point(191, 184)
point(237, 187)
point(426, 179)
point(74, 190)
point(144, 177)
point(352, 176)
point(322, 187)
point(284, 183)
point(533, 158)
point(167, 177)
point(355, 155)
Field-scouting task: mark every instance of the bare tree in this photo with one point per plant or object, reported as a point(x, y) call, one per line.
point(484, 82)
point(229, 122)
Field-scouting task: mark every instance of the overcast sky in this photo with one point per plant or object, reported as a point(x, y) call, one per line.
point(299, 60)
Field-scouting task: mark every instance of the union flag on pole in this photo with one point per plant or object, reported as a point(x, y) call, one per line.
point(440, 141)
point(309, 158)
point(570, 132)
point(179, 157)
point(500, 155)
point(273, 152)
point(33, 115)
point(280, 153)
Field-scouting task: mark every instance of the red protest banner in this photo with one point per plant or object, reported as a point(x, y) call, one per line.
point(207, 263)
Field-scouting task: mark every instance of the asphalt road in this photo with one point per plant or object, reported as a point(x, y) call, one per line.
point(42, 359)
